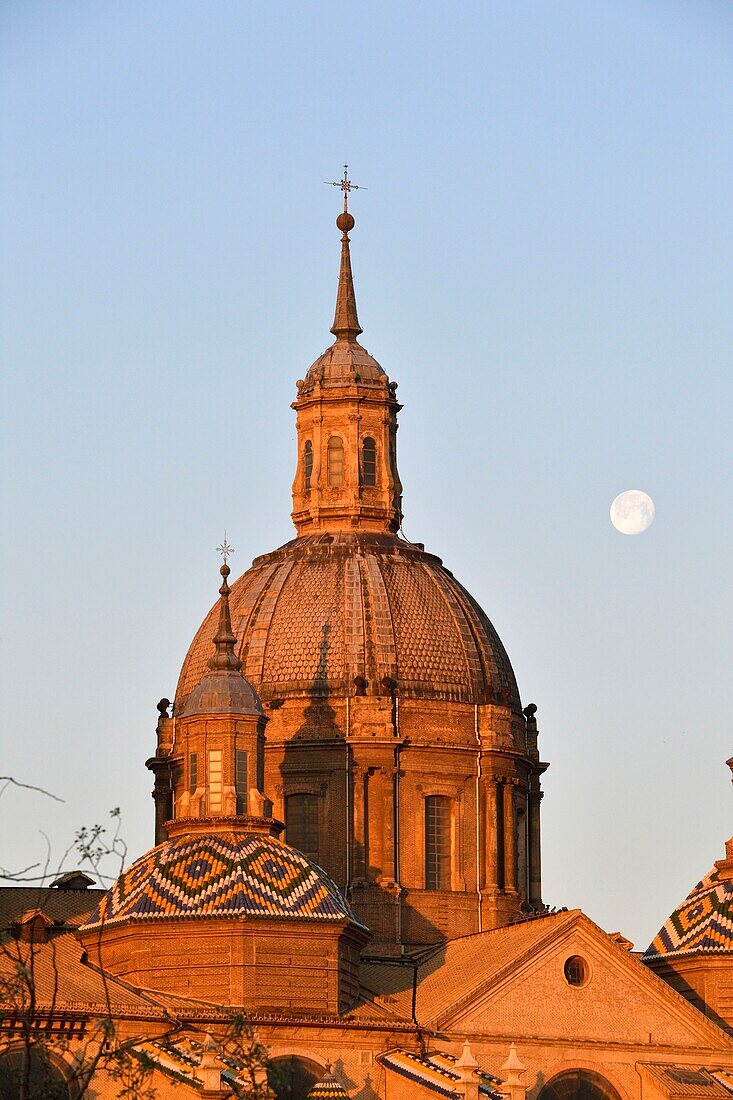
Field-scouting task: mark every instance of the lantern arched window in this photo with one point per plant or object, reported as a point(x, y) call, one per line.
point(368, 461)
point(335, 462)
point(307, 464)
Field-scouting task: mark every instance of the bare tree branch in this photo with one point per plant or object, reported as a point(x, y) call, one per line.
point(8, 781)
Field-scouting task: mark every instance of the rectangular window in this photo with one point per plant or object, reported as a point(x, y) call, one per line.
point(369, 462)
point(193, 772)
point(215, 781)
point(301, 824)
point(437, 842)
point(335, 462)
point(241, 781)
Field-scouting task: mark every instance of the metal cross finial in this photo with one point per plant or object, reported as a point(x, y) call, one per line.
point(225, 549)
point(346, 185)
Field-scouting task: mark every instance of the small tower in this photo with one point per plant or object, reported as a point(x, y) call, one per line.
point(210, 758)
point(222, 889)
point(346, 420)
point(221, 736)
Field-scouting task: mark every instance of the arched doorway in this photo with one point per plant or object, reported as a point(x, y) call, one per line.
point(578, 1084)
point(31, 1073)
point(292, 1077)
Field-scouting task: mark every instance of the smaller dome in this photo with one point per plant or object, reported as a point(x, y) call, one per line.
point(223, 693)
point(218, 874)
point(345, 361)
point(328, 1088)
point(703, 921)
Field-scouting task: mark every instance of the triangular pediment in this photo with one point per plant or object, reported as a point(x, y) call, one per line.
point(618, 999)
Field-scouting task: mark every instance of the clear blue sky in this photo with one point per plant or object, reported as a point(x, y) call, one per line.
point(542, 261)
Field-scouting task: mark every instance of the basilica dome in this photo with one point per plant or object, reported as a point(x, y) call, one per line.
point(326, 609)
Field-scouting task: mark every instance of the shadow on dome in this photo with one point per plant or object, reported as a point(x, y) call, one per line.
point(319, 717)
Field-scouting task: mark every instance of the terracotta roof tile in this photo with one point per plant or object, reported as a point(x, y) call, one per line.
point(436, 1072)
point(293, 616)
point(457, 967)
point(70, 907)
point(61, 980)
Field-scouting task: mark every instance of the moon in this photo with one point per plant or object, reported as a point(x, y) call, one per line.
point(632, 512)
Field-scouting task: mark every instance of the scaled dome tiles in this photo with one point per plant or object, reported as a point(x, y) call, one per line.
point(216, 875)
point(703, 922)
point(326, 608)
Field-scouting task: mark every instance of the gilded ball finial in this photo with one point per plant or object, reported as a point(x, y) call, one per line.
point(345, 221)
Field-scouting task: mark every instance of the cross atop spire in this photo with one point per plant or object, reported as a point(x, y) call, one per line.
point(225, 549)
point(224, 658)
point(345, 322)
point(346, 185)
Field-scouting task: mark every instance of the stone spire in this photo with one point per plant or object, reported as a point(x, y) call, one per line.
point(346, 477)
point(224, 658)
point(345, 322)
point(223, 689)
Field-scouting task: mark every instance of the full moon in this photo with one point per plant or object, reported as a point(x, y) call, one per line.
point(632, 512)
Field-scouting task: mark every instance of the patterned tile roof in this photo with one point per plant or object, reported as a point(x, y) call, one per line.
point(702, 922)
point(180, 1059)
point(217, 875)
point(685, 1080)
point(436, 1072)
point(328, 1088)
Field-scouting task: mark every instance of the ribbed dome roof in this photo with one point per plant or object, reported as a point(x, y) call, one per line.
point(327, 608)
point(223, 693)
point(345, 362)
point(220, 874)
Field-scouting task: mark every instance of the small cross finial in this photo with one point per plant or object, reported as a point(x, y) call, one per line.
point(225, 549)
point(346, 185)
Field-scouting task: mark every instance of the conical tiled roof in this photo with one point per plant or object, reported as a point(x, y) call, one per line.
point(328, 1088)
point(703, 922)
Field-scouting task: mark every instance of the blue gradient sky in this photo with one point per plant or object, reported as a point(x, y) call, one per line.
point(542, 261)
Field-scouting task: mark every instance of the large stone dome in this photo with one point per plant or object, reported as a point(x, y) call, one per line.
point(325, 609)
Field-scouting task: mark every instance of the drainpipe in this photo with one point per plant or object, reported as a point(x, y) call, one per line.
point(396, 712)
point(347, 781)
point(478, 814)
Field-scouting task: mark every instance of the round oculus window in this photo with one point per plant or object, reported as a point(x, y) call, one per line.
point(575, 970)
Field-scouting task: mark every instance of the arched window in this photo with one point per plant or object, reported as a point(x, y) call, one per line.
point(578, 1084)
point(307, 464)
point(291, 1077)
point(437, 842)
point(368, 462)
point(241, 779)
point(301, 824)
point(335, 461)
point(35, 1066)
